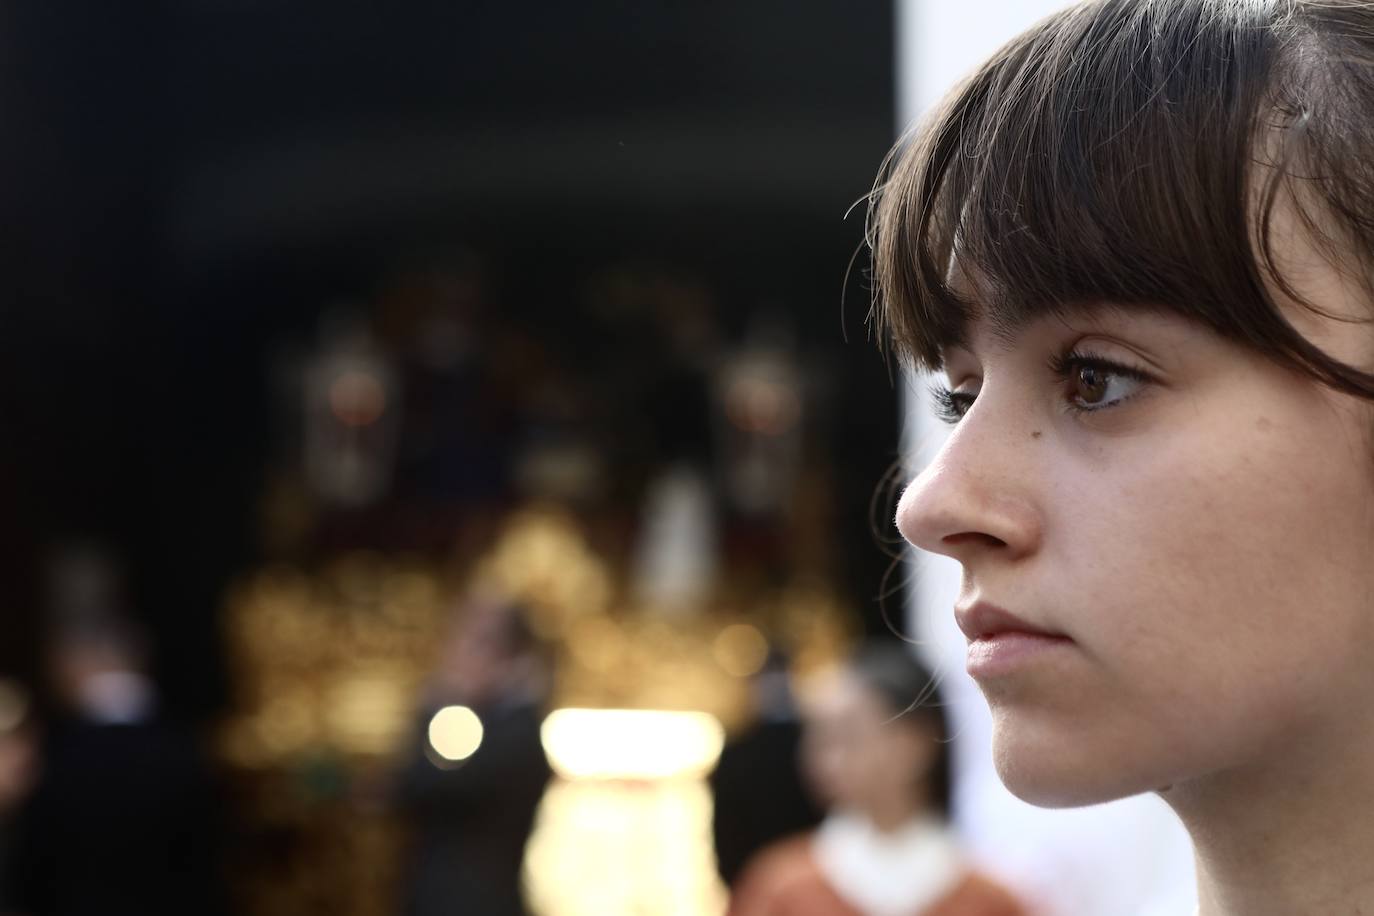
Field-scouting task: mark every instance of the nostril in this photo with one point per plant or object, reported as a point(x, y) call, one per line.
point(972, 537)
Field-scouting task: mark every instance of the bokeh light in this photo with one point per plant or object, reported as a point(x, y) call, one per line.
point(455, 733)
point(631, 743)
point(604, 847)
point(740, 649)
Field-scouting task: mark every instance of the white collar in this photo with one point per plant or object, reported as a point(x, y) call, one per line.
point(897, 873)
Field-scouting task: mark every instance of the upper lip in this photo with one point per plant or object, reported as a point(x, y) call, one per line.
point(980, 620)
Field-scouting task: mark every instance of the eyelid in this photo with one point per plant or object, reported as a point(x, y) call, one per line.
point(960, 367)
point(1062, 363)
point(1098, 346)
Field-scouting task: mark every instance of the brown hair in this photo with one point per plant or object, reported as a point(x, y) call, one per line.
point(1132, 152)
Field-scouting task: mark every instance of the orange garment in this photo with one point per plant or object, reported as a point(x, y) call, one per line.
point(784, 880)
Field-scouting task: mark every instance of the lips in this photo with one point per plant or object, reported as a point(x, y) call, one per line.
point(1002, 645)
point(981, 620)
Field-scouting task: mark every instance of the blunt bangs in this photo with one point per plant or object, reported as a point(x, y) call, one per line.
point(1131, 152)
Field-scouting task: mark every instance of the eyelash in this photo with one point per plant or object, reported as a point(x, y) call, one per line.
point(950, 405)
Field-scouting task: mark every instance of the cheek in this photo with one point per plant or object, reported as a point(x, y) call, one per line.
point(825, 771)
point(1232, 567)
point(901, 762)
point(1215, 576)
point(1254, 526)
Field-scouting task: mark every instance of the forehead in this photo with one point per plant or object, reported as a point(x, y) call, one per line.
point(995, 321)
point(838, 697)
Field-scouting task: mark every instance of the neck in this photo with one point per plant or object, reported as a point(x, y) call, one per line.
point(896, 811)
point(890, 820)
point(1289, 838)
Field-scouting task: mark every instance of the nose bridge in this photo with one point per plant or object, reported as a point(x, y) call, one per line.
point(979, 483)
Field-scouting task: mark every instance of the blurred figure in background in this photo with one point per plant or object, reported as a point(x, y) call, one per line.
point(471, 816)
point(757, 786)
point(121, 820)
point(876, 752)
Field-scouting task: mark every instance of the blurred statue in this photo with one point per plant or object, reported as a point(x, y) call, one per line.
point(875, 751)
point(471, 809)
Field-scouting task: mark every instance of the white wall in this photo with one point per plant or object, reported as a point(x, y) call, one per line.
point(1128, 858)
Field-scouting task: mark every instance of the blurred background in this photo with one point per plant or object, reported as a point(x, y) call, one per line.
point(438, 437)
point(321, 319)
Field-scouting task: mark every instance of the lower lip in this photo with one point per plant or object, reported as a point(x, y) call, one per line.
point(1005, 653)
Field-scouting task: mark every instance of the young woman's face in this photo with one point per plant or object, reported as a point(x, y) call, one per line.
point(1193, 521)
point(855, 755)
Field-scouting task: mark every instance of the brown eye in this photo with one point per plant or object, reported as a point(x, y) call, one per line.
point(1090, 384)
point(1096, 384)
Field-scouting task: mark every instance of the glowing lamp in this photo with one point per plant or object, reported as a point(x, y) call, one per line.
point(631, 743)
point(455, 733)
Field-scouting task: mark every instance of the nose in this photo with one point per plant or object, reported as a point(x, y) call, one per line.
point(975, 499)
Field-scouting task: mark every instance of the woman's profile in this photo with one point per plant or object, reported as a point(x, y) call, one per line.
point(1137, 249)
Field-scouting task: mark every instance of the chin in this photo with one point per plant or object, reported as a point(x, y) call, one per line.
point(1057, 771)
